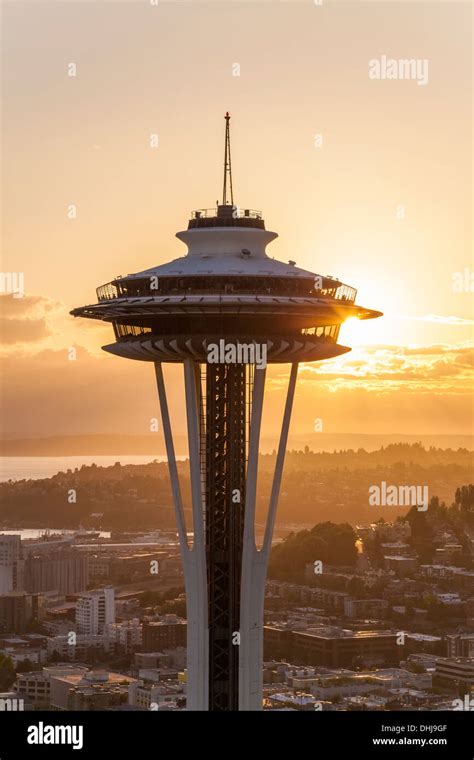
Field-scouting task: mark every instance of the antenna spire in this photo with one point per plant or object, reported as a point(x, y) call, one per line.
point(227, 165)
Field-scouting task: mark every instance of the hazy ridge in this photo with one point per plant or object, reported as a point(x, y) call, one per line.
point(99, 444)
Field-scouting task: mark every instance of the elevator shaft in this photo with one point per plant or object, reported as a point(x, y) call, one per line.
point(225, 470)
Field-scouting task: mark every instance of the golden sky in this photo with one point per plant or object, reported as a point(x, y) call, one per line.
point(382, 200)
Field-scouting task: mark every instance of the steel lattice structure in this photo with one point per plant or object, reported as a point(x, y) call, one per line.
point(225, 476)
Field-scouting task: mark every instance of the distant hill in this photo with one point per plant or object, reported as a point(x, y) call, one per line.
point(316, 487)
point(103, 445)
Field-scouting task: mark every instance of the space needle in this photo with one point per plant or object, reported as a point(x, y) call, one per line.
point(225, 310)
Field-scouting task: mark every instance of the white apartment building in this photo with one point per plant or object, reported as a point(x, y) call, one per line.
point(152, 696)
point(79, 646)
point(126, 636)
point(95, 610)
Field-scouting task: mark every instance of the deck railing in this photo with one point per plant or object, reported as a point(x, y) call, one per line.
point(128, 288)
point(345, 293)
point(234, 211)
point(107, 292)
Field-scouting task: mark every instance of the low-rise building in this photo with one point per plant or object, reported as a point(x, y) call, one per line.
point(79, 646)
point(151, 660)
point(457, 672)
point(125, 636)
point(423, 642)
point(149, 695)
point(400, 565)
point(93, 690)
point(390, 531)
point(460, 645)
point(35, 687)
point(332, 646)
point(364, 608)
point(167, 633)
point(28, 647)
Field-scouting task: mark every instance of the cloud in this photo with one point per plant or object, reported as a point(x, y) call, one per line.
point(13, 331)
point(417, 368)
point(440, 320)
point(50, 393)
point(27, 307)
point(46, 393)
point(26, 320)
point(36, 323)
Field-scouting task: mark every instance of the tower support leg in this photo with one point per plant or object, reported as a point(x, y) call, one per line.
point(194, 560)
point(224, 572)
point(255, 562)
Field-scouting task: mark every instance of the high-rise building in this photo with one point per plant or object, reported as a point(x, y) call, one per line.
point(225, 310)
point(11, 565)
point(95, 610)
point(62, 570)
point(16, 611)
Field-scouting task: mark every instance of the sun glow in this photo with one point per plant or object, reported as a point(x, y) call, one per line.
point(352, 332)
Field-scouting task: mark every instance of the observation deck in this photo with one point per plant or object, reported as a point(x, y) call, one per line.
point(226, 286)
point(226, 215)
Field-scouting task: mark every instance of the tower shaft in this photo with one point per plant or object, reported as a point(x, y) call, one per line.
point(225, 471)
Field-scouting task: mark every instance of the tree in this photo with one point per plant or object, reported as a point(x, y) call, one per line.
point(25, 666)
point(326, 542)
point(464, 498)
point(7, 672)
point(174, 607)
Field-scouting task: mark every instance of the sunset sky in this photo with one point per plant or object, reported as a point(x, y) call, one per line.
point(385, 203)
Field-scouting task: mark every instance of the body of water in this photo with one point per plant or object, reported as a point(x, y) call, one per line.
point(23, 468)
point(38, 532)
